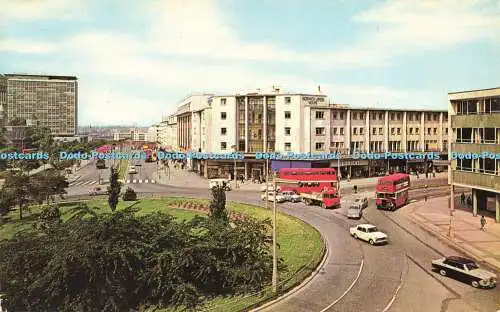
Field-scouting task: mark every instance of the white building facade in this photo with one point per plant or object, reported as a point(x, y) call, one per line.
point(278, 121)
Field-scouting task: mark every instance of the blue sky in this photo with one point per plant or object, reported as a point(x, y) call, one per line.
point(136, 59)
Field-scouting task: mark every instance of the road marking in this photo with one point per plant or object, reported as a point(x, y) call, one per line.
point(402, 278)
point(134, 181)
point(145, 181)
point(348, 289)
point(140, 181)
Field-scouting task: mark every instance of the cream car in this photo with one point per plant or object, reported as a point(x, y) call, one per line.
point(272, 196)
point(369, 233)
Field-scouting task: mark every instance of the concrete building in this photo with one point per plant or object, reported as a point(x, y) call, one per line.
point(475, 120)
point(277, 121)
point(133, 134)
point(50, 100)
point(153, 134)
point(168, 132)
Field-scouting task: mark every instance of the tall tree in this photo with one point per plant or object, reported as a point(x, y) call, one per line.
point(19, 185)
point(7, 201)
point(49, 183)
point(218, 210)
point(114, 189)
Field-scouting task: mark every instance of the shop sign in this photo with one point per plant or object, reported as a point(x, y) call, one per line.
point(353, 163)
point(313, 100)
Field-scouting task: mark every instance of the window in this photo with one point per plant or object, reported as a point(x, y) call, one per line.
point(341, 131)
point(361, 115)
point(355, 130)
point(288, 147)
point(380, 131)
point(417, 130)
point(334, 131)
point(487, 135)
point(320, 131)
point(464, 135)
point(487, 165)
point(393, 131)
point(334, 115)
point(380, 117)
point(374, 131)
point(411, 130)
point(320, 146)
point(320, 115)
point(464, 164)
point(435, 130)
point(435, 117)
point(410, 116)
point(288, 100)
point(399, 131)
point(222, 101)
point(428, 130)
point(399, 116)
point(223, 131)
point(223, 145)
point(360, 130)
point(446, 131)
point(392, 116)
point(288, 115)
point(341, 115)
point(223, 115)
point(374, 117)
point(287, 130)
point(429, 117)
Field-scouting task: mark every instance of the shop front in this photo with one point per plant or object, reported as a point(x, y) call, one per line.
point(377, 168)
point(351, 168)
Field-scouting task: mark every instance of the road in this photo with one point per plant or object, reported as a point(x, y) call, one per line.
point(395, 277)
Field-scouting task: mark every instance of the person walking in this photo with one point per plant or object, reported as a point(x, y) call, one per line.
point(355, 189)
point(483, 222)
point(462, 199)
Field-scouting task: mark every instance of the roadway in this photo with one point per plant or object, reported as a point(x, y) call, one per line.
point(357, 276)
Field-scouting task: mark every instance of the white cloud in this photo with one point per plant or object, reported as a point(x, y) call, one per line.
point(26, 10)
point(26, 46)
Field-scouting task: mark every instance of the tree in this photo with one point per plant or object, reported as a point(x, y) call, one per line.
point(218, 204)
point(129, 195)
point(114, 189)
point(19, 186)
point(49, 183)
point(7, 201)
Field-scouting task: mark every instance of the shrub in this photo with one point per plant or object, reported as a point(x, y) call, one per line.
point(129, 195)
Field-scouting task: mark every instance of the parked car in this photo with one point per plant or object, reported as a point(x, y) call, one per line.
point(362, 201)
point(269, 187)
point(465, 270)
point(271, 197)
point(369, 233)
point(216, 182)
point(355, 212)
point(132, 170)
point(291, 196)
point(97, 191)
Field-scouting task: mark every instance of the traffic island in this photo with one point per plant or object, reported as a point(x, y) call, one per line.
point(300, 245)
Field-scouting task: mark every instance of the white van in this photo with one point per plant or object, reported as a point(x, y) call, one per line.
point(220, 182)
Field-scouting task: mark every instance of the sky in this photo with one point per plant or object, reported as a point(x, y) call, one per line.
point(135, 60)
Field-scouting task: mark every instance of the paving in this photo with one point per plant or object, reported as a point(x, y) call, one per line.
point(467, 236)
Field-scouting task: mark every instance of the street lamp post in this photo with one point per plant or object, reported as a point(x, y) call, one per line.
point(275, 249)
point(452, 202)
point(234, 169)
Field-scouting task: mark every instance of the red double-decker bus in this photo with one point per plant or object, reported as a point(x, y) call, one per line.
point(392, 191)
point(310, 180)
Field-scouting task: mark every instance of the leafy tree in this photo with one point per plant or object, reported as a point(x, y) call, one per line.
point(114, 189)
point(19, 186)
point(218, 204)
point(7, 201)
point(49, 183)
point(49, 218)
point(41, 138)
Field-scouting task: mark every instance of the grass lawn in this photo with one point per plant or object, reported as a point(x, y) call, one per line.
point(301, 245)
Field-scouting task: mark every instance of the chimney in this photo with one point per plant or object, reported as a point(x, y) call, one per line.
point(319, 89)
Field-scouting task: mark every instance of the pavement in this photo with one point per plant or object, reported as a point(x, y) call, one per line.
point(434, 216)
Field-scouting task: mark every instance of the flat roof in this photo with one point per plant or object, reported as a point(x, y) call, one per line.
point(488, 89)
point(34, 76)
point(269, 94)
point(333, 106)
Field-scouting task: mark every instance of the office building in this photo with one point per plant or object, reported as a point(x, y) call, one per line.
point(277, 121)
point(475, 120)
point(168, 132)
point(51, 101)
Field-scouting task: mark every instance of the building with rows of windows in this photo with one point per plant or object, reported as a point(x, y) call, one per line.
point(475, 120)
point(50, 101)
point(277, 121)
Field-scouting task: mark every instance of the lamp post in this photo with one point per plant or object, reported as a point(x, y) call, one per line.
point(452, 202)
point(234, 168)
point(275, 249)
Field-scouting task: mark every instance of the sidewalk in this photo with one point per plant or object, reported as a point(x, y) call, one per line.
point(434, 217)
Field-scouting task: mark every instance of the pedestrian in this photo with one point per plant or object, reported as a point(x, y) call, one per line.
point(483, 223)
point(462, 199)
point(469, 200)
point(355, 189)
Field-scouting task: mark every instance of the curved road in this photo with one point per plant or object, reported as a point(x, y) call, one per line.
point(395, 277)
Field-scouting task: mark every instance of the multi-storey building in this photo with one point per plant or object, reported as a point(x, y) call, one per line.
point(153, 134)
point(475, 120)
point(168, 132)
point(277, 121)
point(50, 100)
point(136, 135)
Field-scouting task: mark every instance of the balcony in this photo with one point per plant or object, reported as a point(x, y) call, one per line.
point(475, 121)
point(486, 181)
